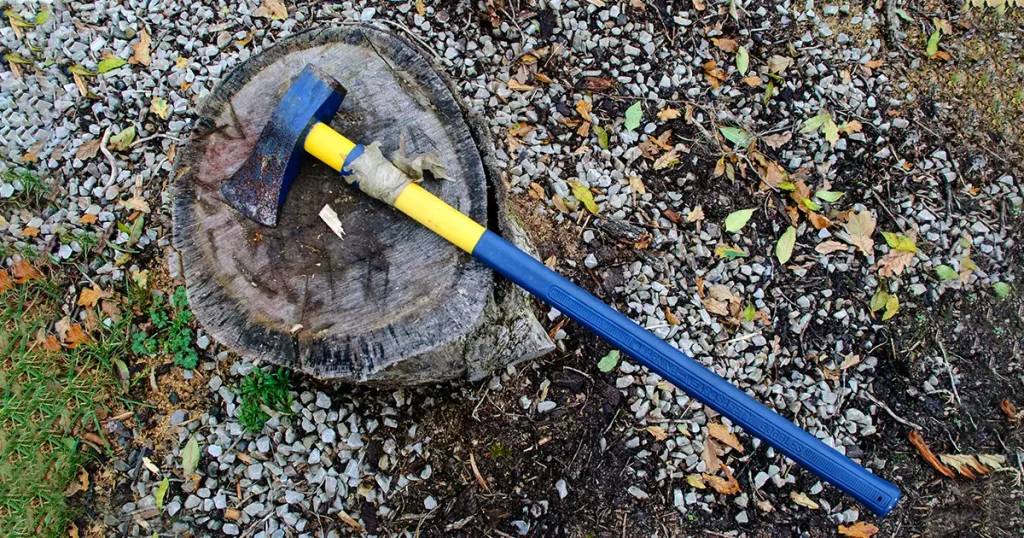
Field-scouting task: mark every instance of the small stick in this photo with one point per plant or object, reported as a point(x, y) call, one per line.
point(896, 417)
point(107, 154)
point(949, 369)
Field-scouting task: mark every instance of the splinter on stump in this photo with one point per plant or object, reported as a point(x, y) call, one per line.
point(391, 303)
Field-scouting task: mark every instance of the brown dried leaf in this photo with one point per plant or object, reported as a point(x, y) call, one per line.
point(721, 432)
point(725, 44)
point(894, 263)
point(514, 84)
point(76, 337)
point(669, 114)
point(583, 108)
point(777, 140)
point(726, 486)
point(859, 228)
point(818, 221)
point(88, 219)
point(88, 149)
point(90, 297)
point(23, 271)
point(850, 127)
point(828, 247)
point(657, 432)
point(802, 499)
point(669, 159)
point(968, 465)
point(709, 455)
point(860, 529)
point(671, 318)
point(1005, 404)
point(926, 453)
point(752, 80)
point(715, 75)
point(233, 514)
point(272, 9)
point(351, 522)
point(596, 84)
point(140, 50)
point(5, 281)
point(29, 231)
point(696, 215)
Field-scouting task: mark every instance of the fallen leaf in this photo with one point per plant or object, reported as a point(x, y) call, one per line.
point(879, 299)
point(725, 44)
point(232, 514)
point(860, 227)
point(633, 116)
point(636, 185)
point(860, 529)
point(583, 194)
point(784, 247)
point(752, 80)
point(828, 247)
point(88, 149)
point(23, 271)
point(892, 306)
point(926, 453)
point(721, 432)
point(583, 108)
point(894, 262)
point(967, 465)
point(726, 486)
point(932, 46)
point(140, 50)
point(122, 140)
point(802, 499)
point(91, 296)
point(696, 215)
point(714, 74)
point(136, 203)
point(699, 5)
point(777, 64)
point(110, 63)
point(88, 219)
point(851, 127)
point(671, 318)
point(76, 336)
point(721, 301)
point(777, 140)
point(5, 281)
point(669, 159)
point(819, 222)
point(742, 60)
point(729, 252)
point(765, 506)
point(514, 84)
point(849, 362)
point(874, 64)
point(1005, 404)
point(695, 480)
point(669, 114)
point(190, 456)
point(737, 136)
point(828, 196)
point(272, 9)
point(596, 84)
point(709, 455)
point(657, 432)
point(421, 8)
point(351, 522)
point(161, 491)
point(609, 361)
point(476, 473)
point(738, 219)
point(29, 231)
point(967, 267)
point(1001, 289)
point(72, 530)
point(159, 106)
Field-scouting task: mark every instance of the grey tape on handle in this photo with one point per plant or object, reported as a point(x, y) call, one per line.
point(377, 176)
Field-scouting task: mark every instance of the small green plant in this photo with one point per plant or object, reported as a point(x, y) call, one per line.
point(261, 390)
point(172, 331)
point(498, 451)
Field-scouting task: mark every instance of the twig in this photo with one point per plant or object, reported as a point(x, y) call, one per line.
point(886, 208)
point(108, 155)
point(151, 137)
point(949, 369)
point(895, 417)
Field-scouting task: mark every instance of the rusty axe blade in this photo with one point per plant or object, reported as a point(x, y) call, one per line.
point(259, 187)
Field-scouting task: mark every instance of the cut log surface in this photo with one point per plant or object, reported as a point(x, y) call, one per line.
point(391, 303)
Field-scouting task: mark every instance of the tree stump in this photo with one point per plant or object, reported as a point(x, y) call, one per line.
point(391, 303)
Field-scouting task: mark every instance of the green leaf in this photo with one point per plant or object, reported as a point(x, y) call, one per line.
point(737, 136)
point(878, 299)
point(784, 248)
point(749, 312)
point(110, 63)
point(78, 69)
point(812, 205)
point(609, 361)
point(892, 306)
point(633, 115)
point(583, 194)
point(602, 136)
point(190, 456)
point(787, 186)
point(742, 60)
point(121, 141)
point(730, 252)
point(16, 58)
point(769, 91)
point(122, 372)
point(1002, 289)
point(829, 196)
point(738, 219)
point(903, 15)
point(831, 131)
point(933, 43)
point(815, 123)
point(42, 16)
point(161, 492)
point(946, 272)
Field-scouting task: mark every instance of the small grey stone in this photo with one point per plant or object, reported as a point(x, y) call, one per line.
point(545, 406)
point(230, 529)
point(323, 401)
point(430, 502)
point(178, 417)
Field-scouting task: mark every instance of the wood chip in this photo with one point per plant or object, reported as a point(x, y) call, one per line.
point(476, 472)
point(330, 216)
point(350, 521)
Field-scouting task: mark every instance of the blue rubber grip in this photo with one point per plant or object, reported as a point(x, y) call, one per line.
point(687, 374)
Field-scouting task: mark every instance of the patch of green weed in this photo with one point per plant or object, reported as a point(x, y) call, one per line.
point(171, 332)
point(260, 391)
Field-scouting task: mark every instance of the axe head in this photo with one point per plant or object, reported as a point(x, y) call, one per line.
point(259, 187)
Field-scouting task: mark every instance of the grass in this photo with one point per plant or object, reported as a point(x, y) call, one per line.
point(262, 391)
point(49, 400)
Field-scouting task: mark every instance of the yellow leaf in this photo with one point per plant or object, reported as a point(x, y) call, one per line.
point(76, 336)
point(850, 127)
point(721, 432)
point(696, 215)
point(583, 194)
point(802, 499)
point(696, 481)
point(87, 219)
point(892, 306)
point(637, 185)
point(668, 114)
point(725, 486)
point(91, 296)
point(29, 231)
point(514, 84)
point(421, 8)
point(583, 107)
point(140, 50)
point(159, 106)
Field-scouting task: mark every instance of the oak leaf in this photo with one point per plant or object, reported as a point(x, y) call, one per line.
point(91, 296)
point(5, 281)
point(76, 336)
point(721, 432)
point(726, 486)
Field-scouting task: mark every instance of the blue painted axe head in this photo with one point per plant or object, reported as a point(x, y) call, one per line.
point(259, 187)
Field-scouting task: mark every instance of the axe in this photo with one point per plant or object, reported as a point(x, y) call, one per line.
point(299, 125)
